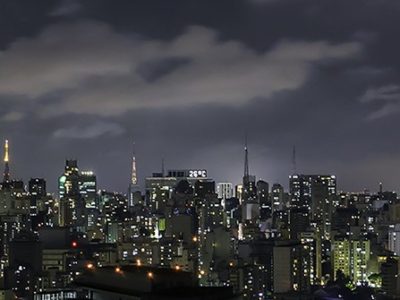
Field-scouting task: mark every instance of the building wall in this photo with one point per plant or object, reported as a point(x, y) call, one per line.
point(282, 270)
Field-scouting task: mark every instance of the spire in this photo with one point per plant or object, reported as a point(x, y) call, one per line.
point(162, 167)
point(134, 174)
point(294, 160)
point(6, 175)
point(246, 159)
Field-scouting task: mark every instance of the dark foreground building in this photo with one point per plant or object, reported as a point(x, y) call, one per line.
point(143, 283)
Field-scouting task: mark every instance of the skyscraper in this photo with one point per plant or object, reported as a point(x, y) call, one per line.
point(88, 188)
point(225, 190)
point(264, 199)
point(68, 190)
point(350, 256)
point(277, 197)
point(37, 187)
point(394, 239)
point(302, 188)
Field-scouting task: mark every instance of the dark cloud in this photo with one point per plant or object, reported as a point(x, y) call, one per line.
point(94, 130)
point(156, 69)
point(217, 71)
point(67, 8)
point(12, 116)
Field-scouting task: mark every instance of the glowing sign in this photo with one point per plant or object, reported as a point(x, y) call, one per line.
point(197, 173)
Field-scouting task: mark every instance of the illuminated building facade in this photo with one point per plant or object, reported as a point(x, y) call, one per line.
point(77, 193)
point(394, 239)
point(225, 190)
point(88, 188)
point(351, 257)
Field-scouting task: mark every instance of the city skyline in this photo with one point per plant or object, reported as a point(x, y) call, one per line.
point(53, 186)
point(193, 107)
point(200, 149)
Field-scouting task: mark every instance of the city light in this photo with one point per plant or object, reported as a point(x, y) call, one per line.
point(200, 149)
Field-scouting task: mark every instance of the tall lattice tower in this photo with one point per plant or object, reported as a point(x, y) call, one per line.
point(6, 174)
point(134, 180)
point(246, 159)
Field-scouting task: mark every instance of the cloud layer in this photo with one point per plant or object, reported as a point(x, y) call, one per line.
point(186, 79)
point(389, 98)
point(89, 132)
point(89, 68)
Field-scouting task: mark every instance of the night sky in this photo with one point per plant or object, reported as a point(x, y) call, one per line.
point(187, 79)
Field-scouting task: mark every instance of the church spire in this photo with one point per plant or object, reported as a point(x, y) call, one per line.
point(294, 162)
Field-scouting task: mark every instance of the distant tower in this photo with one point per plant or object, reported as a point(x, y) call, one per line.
point(163, 167)
point(134, 195)
point(134, 174)
point(6, 175)
point(246, 159)
point(294, 164)
point(249, 181)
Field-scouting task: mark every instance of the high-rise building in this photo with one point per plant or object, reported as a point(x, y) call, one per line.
point(315, 194)
point(351, 256)
point(69, 180)
point(299, 221)
point(71, 204)
point(88, 188)
point(360, 253)
point(37, 187)
point(239, 192)
point(390, 277)
point(78, 197)
point(311, 241)
point(341, 252)
point(37, 193)
point(225, 190)
point(291, 264)
point(158, 191)
point(302, 187)
point(202, 188)
point(25, 265)
point(160, 188)
point(277, 197)
point(264, 200)
point(394, 239)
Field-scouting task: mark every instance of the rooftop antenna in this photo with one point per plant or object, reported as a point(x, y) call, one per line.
point(294, 165)
point(246, 158)
point(134, 180)
point(6, 163)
